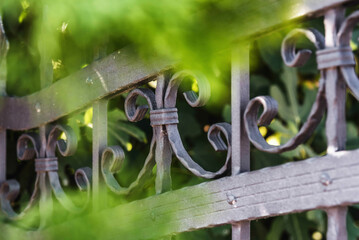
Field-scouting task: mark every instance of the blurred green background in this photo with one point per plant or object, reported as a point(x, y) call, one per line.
point(200, 33)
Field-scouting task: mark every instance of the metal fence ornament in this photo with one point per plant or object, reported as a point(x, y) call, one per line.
point(270, 106)
point(328, 57)
point(46, 167)
point(166, 139)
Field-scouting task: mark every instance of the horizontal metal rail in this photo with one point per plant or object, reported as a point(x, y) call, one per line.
point(316, 183)
point(115, 73)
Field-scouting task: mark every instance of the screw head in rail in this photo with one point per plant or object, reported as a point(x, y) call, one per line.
point(38, 107)
point(231, 199)
point(89, 81)
point(325, 179)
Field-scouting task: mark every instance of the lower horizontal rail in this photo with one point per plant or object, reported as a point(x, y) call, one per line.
point(315, 183)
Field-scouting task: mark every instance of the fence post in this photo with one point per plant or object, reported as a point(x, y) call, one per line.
point(240, 142)
point(4, 46)
point(99, 143)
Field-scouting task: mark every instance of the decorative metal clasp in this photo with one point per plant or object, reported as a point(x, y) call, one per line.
point(166, 138)
point(46, 166)
point(336, 63)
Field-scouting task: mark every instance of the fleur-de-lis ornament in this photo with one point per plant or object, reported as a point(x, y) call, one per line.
point(30, 147)
point(166, 140)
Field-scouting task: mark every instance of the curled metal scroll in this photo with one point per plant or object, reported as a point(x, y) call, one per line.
point(293, 58)
point(270, 106)
point(166, 113)
point(338, 56)
point(46, 166)
point(343, 40)
point(111, 162)
point(166, 139)
point(270, 109)
point(191, 97)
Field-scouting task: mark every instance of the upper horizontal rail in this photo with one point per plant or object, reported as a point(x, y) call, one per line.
point(121, 71)
point(115, 73)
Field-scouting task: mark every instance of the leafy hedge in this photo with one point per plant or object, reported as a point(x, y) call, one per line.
point(75, 33)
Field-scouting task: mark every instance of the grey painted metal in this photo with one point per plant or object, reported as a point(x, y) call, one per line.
point(337, 64)
point(116, 73)
point(270, 106)
point(41, 147)
point(99, 143)
point(2, 155)
point(240, 141)
point(4, 47)
point(335, 122)
point(292, 187)
point(46, 69)
point(166, 139)
point(240, 99)
point(337, 218)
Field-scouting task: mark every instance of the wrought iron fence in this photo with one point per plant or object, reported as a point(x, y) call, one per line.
point(327, 182)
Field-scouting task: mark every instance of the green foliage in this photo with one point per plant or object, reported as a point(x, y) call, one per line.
point(72, 34)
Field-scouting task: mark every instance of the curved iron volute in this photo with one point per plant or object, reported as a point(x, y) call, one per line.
point(166, 139)
point(46, 167)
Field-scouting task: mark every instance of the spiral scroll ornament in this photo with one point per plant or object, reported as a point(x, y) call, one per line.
point(46, 166)
point(336, 64)
point(166, 139)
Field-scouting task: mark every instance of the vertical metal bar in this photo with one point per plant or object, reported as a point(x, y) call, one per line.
point(99, 143)
point(240, 141)
point(163, 153)
point(163, 158)
point(337, 218)
point(46, 73)
point(45, 204)
point(2, 155)
point(46, 78)
point(4, 47)
point(335, 122)
point(335, 86)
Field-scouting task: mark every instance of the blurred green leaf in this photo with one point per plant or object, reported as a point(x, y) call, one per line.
point(226, 113)
point(353, 230)
point(269, 48)
point(276, 229)
point(128, 128)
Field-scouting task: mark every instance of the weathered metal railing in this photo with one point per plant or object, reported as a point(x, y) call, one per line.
point(328, 182)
